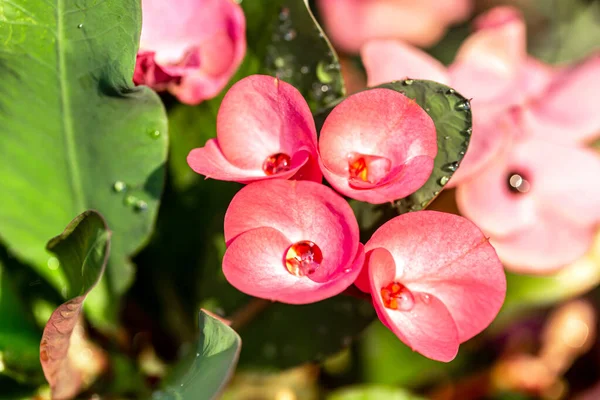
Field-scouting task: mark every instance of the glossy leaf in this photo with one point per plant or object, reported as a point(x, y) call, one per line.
point(203, 373)
point(82, 251)
point(289, 43)
point(368, 392)
point(76, 134)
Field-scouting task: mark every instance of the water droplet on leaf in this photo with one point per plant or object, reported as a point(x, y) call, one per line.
point(444, 180)
point(79, 26)
point(408, 82)
point(141, 205)
point(154, 133)
point(130, 200)
point(119, 186)
point(53, 263)
point(451, 166)
point(463, 106)
point(303, 258)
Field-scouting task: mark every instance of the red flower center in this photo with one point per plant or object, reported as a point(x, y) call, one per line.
point(303, 258)
point(366, 168)
point(396, 296)
point(276, 163)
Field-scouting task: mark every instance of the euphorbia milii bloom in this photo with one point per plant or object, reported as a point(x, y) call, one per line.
point(190, 47)
point(291, 241)
point(265, 130)
point(350, 23)
point(377, 146)
point(491, 68)
point(434, 279)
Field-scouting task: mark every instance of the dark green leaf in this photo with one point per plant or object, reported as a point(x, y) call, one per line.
point(203, 373)
point(284, 36)
point(82, 252)
point(76, 134)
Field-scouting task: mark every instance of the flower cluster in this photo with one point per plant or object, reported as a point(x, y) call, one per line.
point(526, 179)
point(434, 278)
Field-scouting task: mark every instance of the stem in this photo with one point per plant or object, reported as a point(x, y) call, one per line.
point(248, 312)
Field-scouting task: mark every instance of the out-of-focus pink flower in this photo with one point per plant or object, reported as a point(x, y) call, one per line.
point(434, 279)
point(190, 47)
point(291, 241)
point(491, 67)
point(377, 146)
point(350, 23)
point(265, 130)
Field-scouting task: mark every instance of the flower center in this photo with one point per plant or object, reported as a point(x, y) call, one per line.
point(303, 258)
point(396, 296)
point(517, 183)
point(276, 163)
point(367, 168)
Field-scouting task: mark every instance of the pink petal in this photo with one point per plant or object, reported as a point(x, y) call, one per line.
point(427, 328)
point(383, 123)
point(565, 178)
point(490, 60)
point(545, 247)
point(391, 60)
point(490, 135)
point(449, 257)
point(350, 23)
point(261, 116)
point(210, 162)
point(200, 43)
point(568, 111)
point(300, 210)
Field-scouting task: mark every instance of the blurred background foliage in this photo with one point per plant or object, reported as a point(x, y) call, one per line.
point(543, 344)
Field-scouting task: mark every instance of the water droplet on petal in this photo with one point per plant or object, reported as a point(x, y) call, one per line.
point(367, 168)
point(396, 296)
point(119, 186)
point(426, 298)
point(303, 258)
point(518, 184)
point(53, 263)
point(444, 180)
point(276, 163)
point(347, 270)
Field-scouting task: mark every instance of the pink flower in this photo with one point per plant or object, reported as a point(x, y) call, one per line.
point(190, 47)
point(291, 241)
point(265, 130)
point(491, 67)
point(350, 23)
point(434, 279)
point(377, 146)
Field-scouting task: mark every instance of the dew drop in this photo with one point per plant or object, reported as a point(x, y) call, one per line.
point(305, 69)
point(290, 35)
point(446, 137)
point(53, 263)
point(464, 106)
point(450, 91)
point(325, 72)
point(119, 186)
point(154, 133)
point(347, 270)
point(408, 82)
point(140, 205)
point(468, 131)
point(451, 166)
point(444, 180)
point(424, 204)
point(79, 26)
point(130, 200)
point(426, 298)
point(517, 183)
point(396, 296)
point(67, 314)
point(276, 163)
point(303, 258)
point(279, 62)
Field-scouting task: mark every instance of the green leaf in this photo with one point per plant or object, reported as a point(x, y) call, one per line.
point(76, 134)
point(369, 392)
point(19, 337)
point(285, 37)
point(82, 252)
point(203, 373)
point(388, 361)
